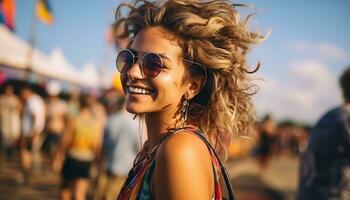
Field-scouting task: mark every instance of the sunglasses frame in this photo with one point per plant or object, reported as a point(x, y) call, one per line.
point(134, 60)
point(131, 51)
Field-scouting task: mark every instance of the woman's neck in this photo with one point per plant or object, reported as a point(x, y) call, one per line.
point(158, 124)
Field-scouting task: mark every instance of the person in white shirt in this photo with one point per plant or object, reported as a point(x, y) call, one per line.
point(33, 121)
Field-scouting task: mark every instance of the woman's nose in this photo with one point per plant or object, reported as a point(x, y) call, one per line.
point(135, 71)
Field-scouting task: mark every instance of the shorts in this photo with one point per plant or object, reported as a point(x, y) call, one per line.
point(74, 169)
point(51, 143)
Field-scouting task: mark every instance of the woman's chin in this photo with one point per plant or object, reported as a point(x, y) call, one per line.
point(134, 109)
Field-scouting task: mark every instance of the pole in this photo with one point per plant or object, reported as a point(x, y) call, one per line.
point(31, 47)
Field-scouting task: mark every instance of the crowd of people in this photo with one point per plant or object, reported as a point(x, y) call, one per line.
point(85, 139)
point(270, 138)
point(94, 141)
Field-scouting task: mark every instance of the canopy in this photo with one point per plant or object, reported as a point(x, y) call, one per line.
point(14, 53)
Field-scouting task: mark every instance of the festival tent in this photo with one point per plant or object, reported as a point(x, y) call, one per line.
point(14, 54)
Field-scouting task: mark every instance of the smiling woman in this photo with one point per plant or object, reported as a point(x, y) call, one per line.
point(185, 72)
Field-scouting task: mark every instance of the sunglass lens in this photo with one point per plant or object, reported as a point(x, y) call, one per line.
point(124, 61)
point(152, 65)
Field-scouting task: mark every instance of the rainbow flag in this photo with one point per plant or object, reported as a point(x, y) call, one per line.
point(44, 12)
point(7, 13)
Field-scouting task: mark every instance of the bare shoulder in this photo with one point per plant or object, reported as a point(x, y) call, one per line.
point(183, 168)
point(182, 145)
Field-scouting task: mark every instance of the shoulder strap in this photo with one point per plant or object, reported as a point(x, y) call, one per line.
point(222, 168)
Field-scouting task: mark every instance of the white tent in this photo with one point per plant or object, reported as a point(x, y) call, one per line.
point(14, 53)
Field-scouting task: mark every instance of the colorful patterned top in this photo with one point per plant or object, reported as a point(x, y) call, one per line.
point(137, 185)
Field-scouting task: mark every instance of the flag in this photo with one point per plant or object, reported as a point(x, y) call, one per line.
point(7, 13)
point(43, 11)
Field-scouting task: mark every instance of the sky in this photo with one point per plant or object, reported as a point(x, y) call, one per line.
point(301, 60)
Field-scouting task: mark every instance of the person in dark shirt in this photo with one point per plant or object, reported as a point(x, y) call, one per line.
point(325, 165)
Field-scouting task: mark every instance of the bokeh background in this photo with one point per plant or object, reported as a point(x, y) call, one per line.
point(307, 48)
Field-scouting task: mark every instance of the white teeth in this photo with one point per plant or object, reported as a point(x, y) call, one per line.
point(139, 90)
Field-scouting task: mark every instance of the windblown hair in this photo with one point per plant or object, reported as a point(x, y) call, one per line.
point(212, 34)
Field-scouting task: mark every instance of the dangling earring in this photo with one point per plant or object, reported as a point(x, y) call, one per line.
point(184, 111)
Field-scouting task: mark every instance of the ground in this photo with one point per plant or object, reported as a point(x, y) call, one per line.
point(279, 178)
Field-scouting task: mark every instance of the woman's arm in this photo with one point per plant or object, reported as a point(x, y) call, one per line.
point(183, 169)
point(63, 146)
point(98, 143)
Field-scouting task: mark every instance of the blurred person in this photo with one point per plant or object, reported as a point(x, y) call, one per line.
point(242, 147)
point(109, 99)
point(98, 110)
point(120, 146)
point(185, 74)
point(118, 29)
point(79, 148)
point(303, 138)
point(112, 94)
point(265, 141)
point(120, 135)
point(33, 122)
point(56, 117)
point(73, 104)
point(10, 121)
point(287, 143)
point(296, 141)
point(325, 165)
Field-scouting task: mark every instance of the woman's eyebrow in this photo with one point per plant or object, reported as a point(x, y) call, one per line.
point(164, 56)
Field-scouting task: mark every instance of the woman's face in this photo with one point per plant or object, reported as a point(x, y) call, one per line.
point(166, 89)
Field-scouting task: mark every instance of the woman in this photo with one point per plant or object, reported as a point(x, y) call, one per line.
point(184, 72)
point(80, 147)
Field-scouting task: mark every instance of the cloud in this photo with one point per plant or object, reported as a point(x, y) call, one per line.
point(312, 74)
point(321, 50)
point(332, 51)
point(307, 90)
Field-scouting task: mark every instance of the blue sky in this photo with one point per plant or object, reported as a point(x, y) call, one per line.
point(79, 28)
point(307, 50)
point(298, 20)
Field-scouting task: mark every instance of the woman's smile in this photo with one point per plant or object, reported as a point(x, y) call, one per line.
point(135, 89)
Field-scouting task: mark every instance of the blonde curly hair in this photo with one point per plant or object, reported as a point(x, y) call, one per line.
point(212, 34)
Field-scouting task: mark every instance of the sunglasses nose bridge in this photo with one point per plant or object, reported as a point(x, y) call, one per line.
point(135, 70)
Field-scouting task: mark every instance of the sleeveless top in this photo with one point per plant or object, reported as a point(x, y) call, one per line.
point(138, 183)
point(84, 136)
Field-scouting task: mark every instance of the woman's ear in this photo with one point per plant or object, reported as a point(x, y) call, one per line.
point(196, 85)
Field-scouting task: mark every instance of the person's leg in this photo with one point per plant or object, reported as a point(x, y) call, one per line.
point(26, 157)
point(45, 148)
point(81, 188)
point(101, 187)
point(66, 190)
point(65, 194)
point(114, 185)
point(1, 151)
point(56, 140)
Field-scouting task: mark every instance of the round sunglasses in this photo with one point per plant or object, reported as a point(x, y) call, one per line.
point(151, 63)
